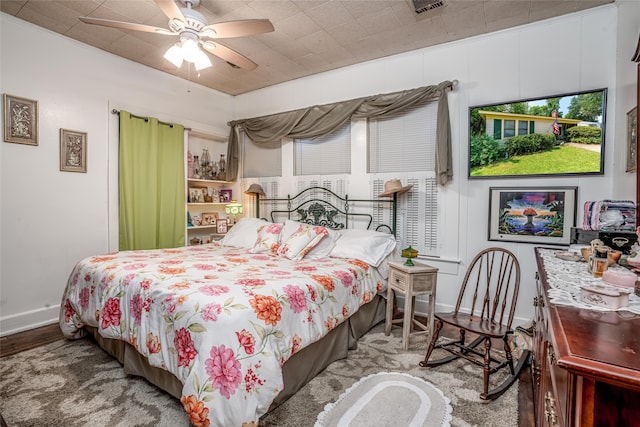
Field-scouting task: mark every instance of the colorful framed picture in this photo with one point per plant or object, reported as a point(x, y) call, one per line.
point(542, 215)
point(225, 196)
point(222, 226)
point(209, 218)
point(20, 120)
point(73, 151)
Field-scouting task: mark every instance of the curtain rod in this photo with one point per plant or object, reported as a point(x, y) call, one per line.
point(146, 119)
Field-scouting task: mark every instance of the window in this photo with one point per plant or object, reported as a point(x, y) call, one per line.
point(509, 128)
point(261, 160)
point(325, 155)
point(523, 127)
point(403, 147)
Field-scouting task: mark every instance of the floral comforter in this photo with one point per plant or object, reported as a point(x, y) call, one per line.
point(222, 320)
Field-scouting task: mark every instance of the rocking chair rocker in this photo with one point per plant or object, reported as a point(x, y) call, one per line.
point(491, 285)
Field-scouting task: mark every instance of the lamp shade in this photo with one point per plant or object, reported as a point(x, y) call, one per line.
point(254, 189)
point(233, 208)
point(174, 55)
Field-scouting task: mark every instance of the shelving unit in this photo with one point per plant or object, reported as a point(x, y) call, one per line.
point(200, 232)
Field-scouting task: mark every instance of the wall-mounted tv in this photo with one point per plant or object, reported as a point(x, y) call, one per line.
point(546, 136)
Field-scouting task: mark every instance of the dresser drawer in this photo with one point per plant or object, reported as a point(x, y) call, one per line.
point(398, 279)
point(422, 282)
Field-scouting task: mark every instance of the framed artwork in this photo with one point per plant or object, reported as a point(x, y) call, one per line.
point(20, 120)
point(556, 135)
point(196, 194)
point(221, 226)
point(632, 138)
point(209, 218)
point(542, 215)
point(225, 196)
point(73, 151)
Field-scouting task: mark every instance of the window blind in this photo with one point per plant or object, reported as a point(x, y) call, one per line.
point(326, 155)
point(261, 160)
point(403, 147)
point(404, 142)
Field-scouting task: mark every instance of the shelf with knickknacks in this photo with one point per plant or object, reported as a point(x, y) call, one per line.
point(205, 177)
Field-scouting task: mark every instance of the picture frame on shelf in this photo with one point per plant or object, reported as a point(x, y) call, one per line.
point(632, 129)
point(222, 226)
point(541, 215)
point(226, 195)
point(20, 120)
point(196, 194)
point(209, 218)
point(73, 151)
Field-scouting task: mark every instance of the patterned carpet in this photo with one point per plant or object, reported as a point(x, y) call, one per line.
point(73, 383)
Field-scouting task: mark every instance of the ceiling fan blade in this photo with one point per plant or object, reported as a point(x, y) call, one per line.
point(126, 25)
point(245, 27)
point(229, 55)
point(171, 9)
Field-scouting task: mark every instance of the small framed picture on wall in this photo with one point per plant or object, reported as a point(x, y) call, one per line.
point(73, 151)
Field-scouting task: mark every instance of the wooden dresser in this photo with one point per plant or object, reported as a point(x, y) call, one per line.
point(586, 365)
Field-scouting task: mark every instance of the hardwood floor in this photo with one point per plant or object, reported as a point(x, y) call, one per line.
point(12, 344)
point(16, 343)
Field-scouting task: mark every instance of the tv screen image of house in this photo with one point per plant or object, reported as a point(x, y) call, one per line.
point(546, 136)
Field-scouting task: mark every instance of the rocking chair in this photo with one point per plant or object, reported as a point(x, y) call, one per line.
point(491, 287)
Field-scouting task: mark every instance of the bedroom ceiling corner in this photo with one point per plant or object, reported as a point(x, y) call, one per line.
point(309, 37)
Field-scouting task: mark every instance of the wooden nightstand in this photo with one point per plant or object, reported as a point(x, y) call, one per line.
point(420, 279)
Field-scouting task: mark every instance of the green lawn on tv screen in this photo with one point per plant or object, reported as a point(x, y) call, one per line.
point(564, 159)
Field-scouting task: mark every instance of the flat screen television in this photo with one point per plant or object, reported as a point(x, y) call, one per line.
point(546, 136)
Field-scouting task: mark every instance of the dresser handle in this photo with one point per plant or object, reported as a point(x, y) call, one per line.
point(551, 355)
point(550, 409)
point(538, 301)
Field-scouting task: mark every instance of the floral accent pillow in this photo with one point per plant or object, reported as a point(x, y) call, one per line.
point(301, 241)
point(268, 239)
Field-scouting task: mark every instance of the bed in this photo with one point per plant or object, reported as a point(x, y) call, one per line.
point(234, 328)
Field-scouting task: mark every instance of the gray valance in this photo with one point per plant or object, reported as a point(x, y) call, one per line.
point(322, 119)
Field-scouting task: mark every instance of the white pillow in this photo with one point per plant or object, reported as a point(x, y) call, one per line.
point(244, 234)
point(289, 227)
point(369, 246)
point(325, 246)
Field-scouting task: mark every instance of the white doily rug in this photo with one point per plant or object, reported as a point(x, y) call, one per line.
point(388, 399)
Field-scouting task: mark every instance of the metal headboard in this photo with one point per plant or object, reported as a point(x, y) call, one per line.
point(319, 206)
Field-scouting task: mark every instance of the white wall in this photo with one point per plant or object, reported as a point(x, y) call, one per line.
point(51, 219)
point(587, 50)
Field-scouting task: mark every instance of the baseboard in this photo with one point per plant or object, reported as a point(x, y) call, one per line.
point(27, 320)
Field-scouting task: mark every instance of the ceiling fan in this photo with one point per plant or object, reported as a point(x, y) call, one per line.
point(194, 31)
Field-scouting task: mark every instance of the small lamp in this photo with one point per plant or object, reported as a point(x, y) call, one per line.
point(233, 209)
point(257, 190)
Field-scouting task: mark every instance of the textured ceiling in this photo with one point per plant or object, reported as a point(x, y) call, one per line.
point(311, 36)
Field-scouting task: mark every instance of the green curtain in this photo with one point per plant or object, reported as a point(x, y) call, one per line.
point(151, 183)
point(322, 119)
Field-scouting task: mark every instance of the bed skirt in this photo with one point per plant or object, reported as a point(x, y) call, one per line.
point(301, 368)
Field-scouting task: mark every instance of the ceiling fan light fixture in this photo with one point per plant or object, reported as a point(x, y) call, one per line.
point(174, 55)
point(190, 50)
point(202, 61)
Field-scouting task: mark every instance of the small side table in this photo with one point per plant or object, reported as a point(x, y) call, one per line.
point(421, 279)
